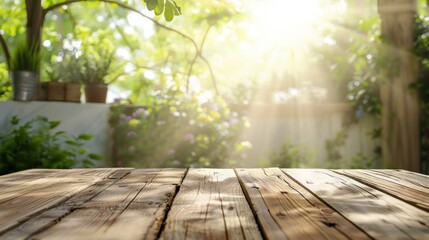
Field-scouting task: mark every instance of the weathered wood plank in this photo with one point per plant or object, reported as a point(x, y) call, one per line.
point(412, 177)
point(210, 205)
point(409, 192)
point(11, 184)
point(14, 187)
point(288, 211)
point(380, 215)
point(26, 175)
point(50, 217)
point(132, 208)
point(39, 195)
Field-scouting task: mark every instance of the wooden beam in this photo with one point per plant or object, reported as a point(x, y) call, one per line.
point(400, 106)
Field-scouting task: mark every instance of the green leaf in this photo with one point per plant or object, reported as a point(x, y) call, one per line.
point(177, 10)
point(53, 124)
point(160, 7)
point(59, 133)
point(72, 143)
point(95, 156)
point(85, 136)
point(87, 163)
point(151, 4)
point(81, 151)
point(169, 12)
point(14, 120)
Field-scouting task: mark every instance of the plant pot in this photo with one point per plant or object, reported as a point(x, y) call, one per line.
point(23, 85)
point(42, 91)
point(72, 92)
point(96, 93)
point(56, 91)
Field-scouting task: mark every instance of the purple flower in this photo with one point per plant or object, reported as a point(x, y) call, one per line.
point(171, 151)
point(131, 134)
point(140, 112)
point(160, 122)
point(125, 117)
point(189, 137)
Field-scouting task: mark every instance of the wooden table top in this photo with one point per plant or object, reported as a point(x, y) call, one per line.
point(269, 203)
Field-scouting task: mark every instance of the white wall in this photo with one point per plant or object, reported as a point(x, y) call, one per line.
point(309, 125)
point(272, 124)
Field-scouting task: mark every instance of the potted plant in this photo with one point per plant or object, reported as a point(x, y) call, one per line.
point(95, 68)
point(24, 66)
point(72, 77)
point(55, 87)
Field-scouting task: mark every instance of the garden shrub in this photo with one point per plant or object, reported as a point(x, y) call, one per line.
point(178, 129)
point(291, 155)
point(36, 144)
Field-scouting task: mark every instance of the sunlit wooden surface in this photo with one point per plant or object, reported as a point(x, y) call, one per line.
point(269, 203)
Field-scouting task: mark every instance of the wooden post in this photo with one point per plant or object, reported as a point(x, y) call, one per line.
point(400, 107)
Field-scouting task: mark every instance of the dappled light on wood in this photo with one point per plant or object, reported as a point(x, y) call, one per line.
point(204, 203)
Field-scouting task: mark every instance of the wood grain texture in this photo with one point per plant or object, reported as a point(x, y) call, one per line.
point(210, 205)
point(25, 175)
point(411, 177)
point(288, 211)
point(132, 208)
point(36, 196)
point(380, 215)
point(413, 194)
point(50, 217)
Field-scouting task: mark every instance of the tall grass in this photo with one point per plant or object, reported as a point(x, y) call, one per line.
point(26, 58)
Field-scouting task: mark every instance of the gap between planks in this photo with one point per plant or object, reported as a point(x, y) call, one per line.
point(131, 208)
point(286, 210)
point(53, 215)
point(380, 215)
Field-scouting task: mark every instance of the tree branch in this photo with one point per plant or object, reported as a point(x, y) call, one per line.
point(199, 54)
point(46, 10)
point(198, 50)
point(211, 73)
point(5, 51)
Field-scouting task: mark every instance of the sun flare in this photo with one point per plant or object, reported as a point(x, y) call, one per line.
point(287, 23)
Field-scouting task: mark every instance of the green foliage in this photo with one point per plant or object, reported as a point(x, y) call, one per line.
point(421, 49)
point(5, 86)
point(26, 58)
point(68, 69)
point(36, 144)
point(334, 156)
point(168, 7)
point(357, 61)
point(336, 160)
point(179, 130)
point(363, 162)
point(291, 155)
point(95, 67)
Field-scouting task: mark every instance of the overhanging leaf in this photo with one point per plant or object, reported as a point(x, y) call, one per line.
point(160, 7)
point(151, 4)
point(177, 10)
point(169, 11)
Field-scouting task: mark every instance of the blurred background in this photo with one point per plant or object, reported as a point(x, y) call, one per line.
point(226, 83)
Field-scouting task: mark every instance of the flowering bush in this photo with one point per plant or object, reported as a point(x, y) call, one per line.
point(179, 130)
